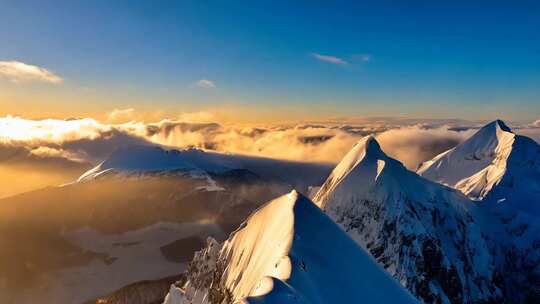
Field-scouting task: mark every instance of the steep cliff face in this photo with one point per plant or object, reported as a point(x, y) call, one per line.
point(288, 251)
point(421, 232)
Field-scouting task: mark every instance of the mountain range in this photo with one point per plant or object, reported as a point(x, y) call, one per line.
point(495, 166)
point(441, 240)
point(422, 232)
point(142, 203)
point(463, 228)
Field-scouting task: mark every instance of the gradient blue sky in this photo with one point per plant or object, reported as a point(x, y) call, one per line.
point(463, 59)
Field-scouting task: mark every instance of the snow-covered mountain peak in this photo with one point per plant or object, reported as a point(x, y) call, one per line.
point(407, 222)
point(367, 149)
point(370, 145)
point(493, 158)
point(501, 170)
point(148, 158)
point(280, 255)
point(365, 160)
point(490, 136)
point(475, 165)
point(367, 172)
point(498, 125)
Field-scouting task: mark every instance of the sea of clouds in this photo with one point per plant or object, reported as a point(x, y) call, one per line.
point(91, 141)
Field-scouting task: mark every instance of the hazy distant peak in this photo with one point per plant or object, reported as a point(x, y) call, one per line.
point(152, 158)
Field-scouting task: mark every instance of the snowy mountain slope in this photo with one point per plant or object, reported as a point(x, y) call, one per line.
point(502, 171)
point(421, 232)
point(471, 156)
point(147, 159)
point(155, 161)
point(288, 251)
point(494, 165)
point(40, 229)
point(135, 188)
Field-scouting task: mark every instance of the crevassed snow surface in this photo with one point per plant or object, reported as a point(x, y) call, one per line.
point(494, 165)
point(289, 251)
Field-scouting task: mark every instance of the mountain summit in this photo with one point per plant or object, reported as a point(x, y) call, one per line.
point(501, 170)
point(421, 232)
point(288, 251)
point(494, 165)
point(365, 161)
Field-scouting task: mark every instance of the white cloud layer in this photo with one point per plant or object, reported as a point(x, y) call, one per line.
point(205, 83)
point(121, 115)
point(92, 141)
point(19, 72)
point(415, 144)
point(329, 59)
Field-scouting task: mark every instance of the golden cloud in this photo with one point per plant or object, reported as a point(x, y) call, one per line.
point(18, 72)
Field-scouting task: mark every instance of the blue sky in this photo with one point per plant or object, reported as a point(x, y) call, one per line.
point(413, 58)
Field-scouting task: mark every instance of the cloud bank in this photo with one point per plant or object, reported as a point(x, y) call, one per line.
point(121, 115)
point(413, 145)
point(30, 148)
point(88, 140)
point(19, 72)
